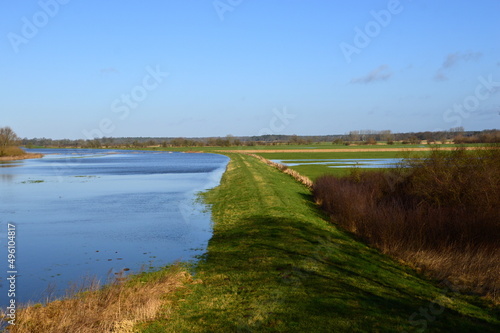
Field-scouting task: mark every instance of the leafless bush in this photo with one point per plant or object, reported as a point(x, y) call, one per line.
point(439, 212)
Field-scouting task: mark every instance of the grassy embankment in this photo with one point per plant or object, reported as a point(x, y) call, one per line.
point(275, 263)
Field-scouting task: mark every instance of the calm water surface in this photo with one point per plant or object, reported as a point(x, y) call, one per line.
point(84, 213)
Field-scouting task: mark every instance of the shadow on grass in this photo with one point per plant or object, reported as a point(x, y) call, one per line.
point(299, 270)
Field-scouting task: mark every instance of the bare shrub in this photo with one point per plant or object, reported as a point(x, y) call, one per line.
point(438, 212)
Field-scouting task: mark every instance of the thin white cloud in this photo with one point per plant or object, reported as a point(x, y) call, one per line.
point(381, 73)
point(452, 60)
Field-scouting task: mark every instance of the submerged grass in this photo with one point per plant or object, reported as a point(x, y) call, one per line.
point(31, 181)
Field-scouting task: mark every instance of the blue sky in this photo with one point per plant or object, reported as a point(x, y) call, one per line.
point(79, 69)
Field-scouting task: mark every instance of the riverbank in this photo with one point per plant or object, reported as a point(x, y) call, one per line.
point(20, 157)
point(276, 263)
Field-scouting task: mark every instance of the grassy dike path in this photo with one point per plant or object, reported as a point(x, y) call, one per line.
point(275, 264)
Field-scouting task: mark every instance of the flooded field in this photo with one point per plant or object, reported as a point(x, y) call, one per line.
point(345, 163)
point(86, 213)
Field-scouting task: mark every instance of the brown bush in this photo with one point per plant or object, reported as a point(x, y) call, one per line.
point(439, 212)
point(11, 151)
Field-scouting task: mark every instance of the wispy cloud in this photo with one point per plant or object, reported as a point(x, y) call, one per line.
point(452, 60)
point(440, 76)
point(109, 70)
point(488, 112)
point(381, 73)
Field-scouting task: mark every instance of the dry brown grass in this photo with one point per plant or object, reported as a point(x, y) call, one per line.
point(16, 153)
point(474, 269)
point(11, 151)
point(115, 308)
point(20, 157)
point(283, 168)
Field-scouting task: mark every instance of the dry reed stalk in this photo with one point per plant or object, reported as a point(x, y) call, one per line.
point(283, 168)
point(116, 308)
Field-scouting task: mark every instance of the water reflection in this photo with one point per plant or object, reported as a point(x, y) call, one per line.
point(6, 177)
point(9, 164)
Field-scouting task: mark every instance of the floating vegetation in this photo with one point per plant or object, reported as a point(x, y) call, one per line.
point(30, 181)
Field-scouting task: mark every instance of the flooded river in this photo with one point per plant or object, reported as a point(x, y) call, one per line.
point(92, 213)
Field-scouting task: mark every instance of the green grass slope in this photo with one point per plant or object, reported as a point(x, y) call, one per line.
point(275, 264)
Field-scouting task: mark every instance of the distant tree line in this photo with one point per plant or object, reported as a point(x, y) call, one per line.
point(457, 135)
point(483, 137)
